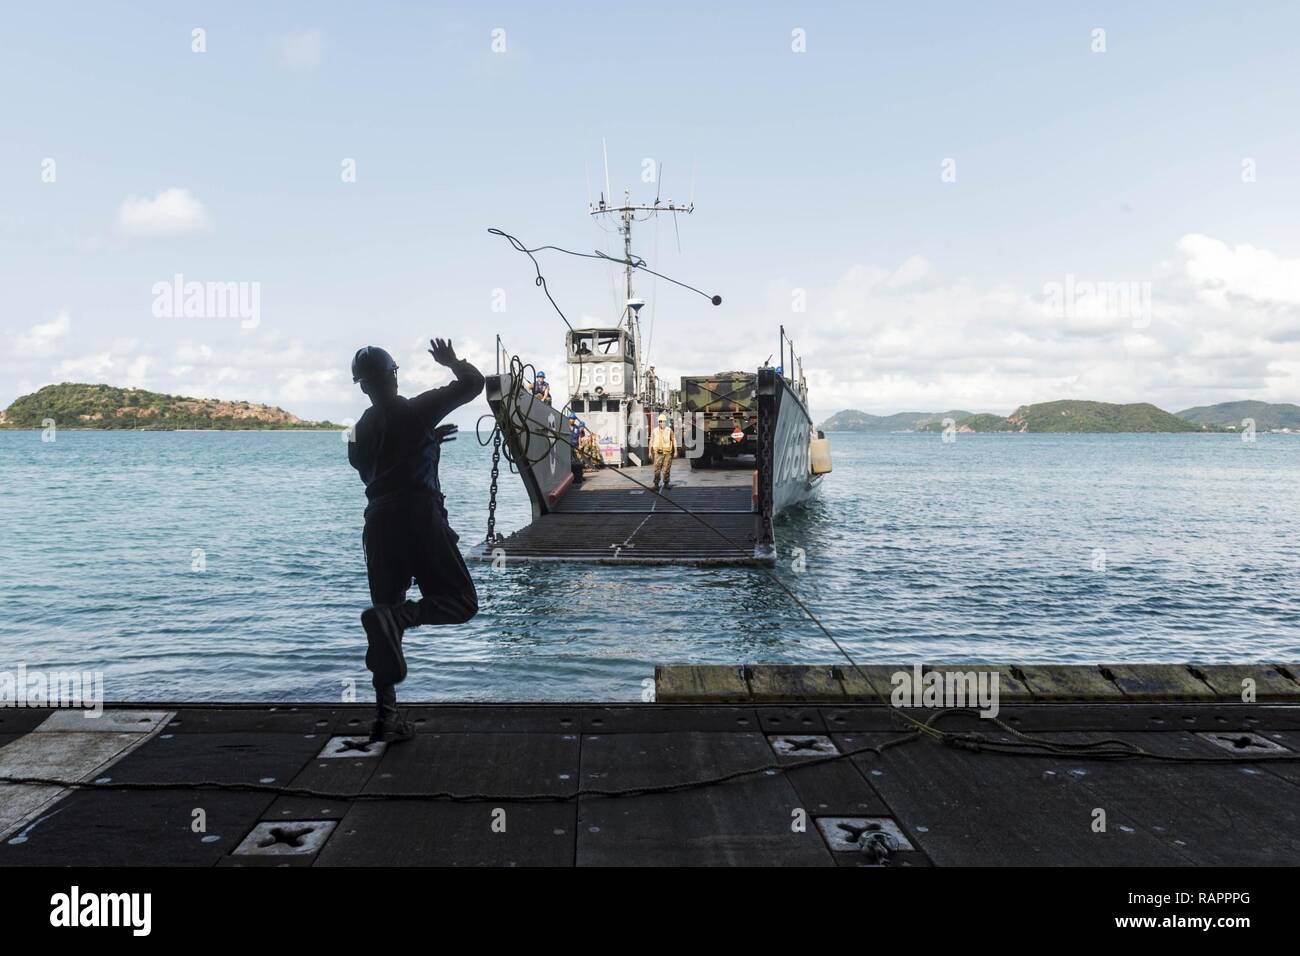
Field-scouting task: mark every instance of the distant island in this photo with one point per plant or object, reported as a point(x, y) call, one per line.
point(1080, 416)
point(1229, 414)
point(851, 420)
point(73, 405)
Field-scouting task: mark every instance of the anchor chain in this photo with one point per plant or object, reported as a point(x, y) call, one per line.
point(767, 463)
point(492, 491)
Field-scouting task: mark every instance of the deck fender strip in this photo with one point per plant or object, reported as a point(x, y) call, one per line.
point(794, 682)
point(1011, 685)
point(715, 683)
point(1069, 682)
point(1239, 682)
point(1158, 682)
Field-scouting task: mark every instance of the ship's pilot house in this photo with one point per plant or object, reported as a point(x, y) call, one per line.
point(602, 369)
point(603, 387)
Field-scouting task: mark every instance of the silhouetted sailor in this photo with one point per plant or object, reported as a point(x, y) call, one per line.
point(395, 448)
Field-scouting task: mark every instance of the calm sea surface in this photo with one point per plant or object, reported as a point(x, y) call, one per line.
point(1060, 548)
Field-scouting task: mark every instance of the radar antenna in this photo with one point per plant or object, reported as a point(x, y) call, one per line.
point(627, 214)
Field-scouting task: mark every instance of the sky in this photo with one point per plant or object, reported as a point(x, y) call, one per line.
point(947, 205)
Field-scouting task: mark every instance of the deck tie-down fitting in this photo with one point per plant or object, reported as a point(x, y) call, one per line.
point(876, 844)
point(876, 838)
point(352, 747)
point(1242, 741)
point(289, 837)
point(787, 745)
point(286, 838)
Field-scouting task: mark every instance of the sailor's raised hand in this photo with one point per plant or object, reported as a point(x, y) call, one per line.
point(445, 433)
point(442, 352)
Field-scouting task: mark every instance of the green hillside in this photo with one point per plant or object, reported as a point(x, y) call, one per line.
point(987, 423)
point(1076, 416)
point(1231, 414)
point(984, 422)
point(73, 405)
point(852, 420)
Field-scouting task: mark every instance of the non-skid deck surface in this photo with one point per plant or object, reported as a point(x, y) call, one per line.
point(725, 475)
point(955, 807)
point(611, 518)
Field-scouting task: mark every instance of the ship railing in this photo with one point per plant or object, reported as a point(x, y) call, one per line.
point(793, 372)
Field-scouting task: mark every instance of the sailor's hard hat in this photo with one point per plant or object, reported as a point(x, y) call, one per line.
point(371, 363)
point(663, 417)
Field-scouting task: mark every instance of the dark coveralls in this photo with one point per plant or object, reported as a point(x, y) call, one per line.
point(575, 461)
point(396, 452)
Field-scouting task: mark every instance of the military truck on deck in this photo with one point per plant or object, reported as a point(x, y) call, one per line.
point(724, 409)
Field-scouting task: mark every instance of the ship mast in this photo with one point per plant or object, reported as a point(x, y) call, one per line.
point(627, 215)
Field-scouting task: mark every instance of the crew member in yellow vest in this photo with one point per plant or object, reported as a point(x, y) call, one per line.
point(589, 449)
point(663, 445)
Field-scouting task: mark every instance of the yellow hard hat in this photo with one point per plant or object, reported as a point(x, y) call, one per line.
point(663, 418)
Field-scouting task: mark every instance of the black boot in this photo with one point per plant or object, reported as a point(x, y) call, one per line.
point(388, 725)
point(392, 730)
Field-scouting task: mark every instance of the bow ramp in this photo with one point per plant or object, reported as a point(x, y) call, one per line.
point(705, 517)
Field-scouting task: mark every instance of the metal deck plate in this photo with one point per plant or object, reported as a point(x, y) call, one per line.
point(845, 834)
point(287, 838)
point(659, 537)
point(612, 519)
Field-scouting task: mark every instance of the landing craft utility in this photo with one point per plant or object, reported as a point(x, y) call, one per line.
point(747, 435)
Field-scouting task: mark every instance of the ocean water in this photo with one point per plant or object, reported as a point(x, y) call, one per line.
point(228, 566)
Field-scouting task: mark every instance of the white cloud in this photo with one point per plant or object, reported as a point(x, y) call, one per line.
point(302, 385)
point(913, 270)
point(898, 336)
point(193, 353)
point(137, 373)
point(1221, 272)
point(44, 336)
point(173, 212)
point(1221, 325)
point(93, 366)
point(301, 50)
